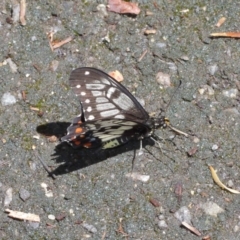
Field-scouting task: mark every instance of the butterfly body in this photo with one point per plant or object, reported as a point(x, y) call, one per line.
point(110, 115)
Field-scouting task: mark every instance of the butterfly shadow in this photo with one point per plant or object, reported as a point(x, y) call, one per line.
point(72, 159)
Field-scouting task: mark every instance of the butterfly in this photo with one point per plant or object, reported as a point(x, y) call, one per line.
point(109, 114)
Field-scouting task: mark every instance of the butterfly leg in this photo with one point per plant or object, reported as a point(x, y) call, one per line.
point(140, 150)
point(156, 140)
point(133, 160)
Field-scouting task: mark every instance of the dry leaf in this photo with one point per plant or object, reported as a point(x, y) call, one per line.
point(154, 202)
point(191, 228)
point(137, 176)
point(142, 56)
point(178, 190)
point(150, 31)
point(12, 65)
point(116, 75)
point(148, 13)
point(34, 109)
point(226, 34)
point(120, 228)
point(59, 44)
point(23, 216)
point(206, 237)
point(120, 6)
point(56, 44)
point(219, 183)
point(22, 12)
point(177, 130)
point(23, 95)
point(192, 151)
point(220, 21)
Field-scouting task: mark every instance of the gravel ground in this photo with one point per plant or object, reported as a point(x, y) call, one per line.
point(92, 195)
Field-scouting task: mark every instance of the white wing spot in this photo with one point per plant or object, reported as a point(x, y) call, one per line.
point(105, 81)
point(119, 116)
point(101, 100)
point(124, 102)
point(129, 123)
point(94, 86)
point(87, 101)
point(109, 113)
point(87, 73)
point(91, 117)
point(78, 86)
point(125, 127)
point(96, 93)
point(110, 91)
point(89, 109)
point(96, 81)
point(104, 106)
point(83, 93)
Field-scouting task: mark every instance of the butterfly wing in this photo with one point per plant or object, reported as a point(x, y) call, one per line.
point(102, 97)
point(106, 133)
point(110, 115)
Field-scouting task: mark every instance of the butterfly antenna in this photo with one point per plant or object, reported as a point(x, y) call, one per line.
point(169, 125)
point(179, 85)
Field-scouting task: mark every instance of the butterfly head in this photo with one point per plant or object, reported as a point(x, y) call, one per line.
point(161, 122)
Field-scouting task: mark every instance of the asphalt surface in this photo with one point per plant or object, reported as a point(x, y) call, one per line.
point(89, 194)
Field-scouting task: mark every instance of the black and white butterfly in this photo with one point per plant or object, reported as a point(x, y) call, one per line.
point(110, 115)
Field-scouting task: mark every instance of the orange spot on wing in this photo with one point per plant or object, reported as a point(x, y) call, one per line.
point(78, 130)
point(87, 145)
point(76, 142)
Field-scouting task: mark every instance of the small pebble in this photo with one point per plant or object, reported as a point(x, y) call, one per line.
point(163, 79)
point(185, 58)
point(213, 69)
point(24, 194)
point(172, 66)
point(196, 139)
point(51, 217)
point(8, 197)
point(214, 147)
point(15, 12)
point(162, 224)
point(236, 228)
point(231, 93)
point(12, 65)
point(89, 227)
point(230, 183)
point(8, 99)
point(102, 10)
point(161, 217)
point(161, 45)
point(183, 215)
point(137, 176)
point(211, 208)
point(34, 225)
